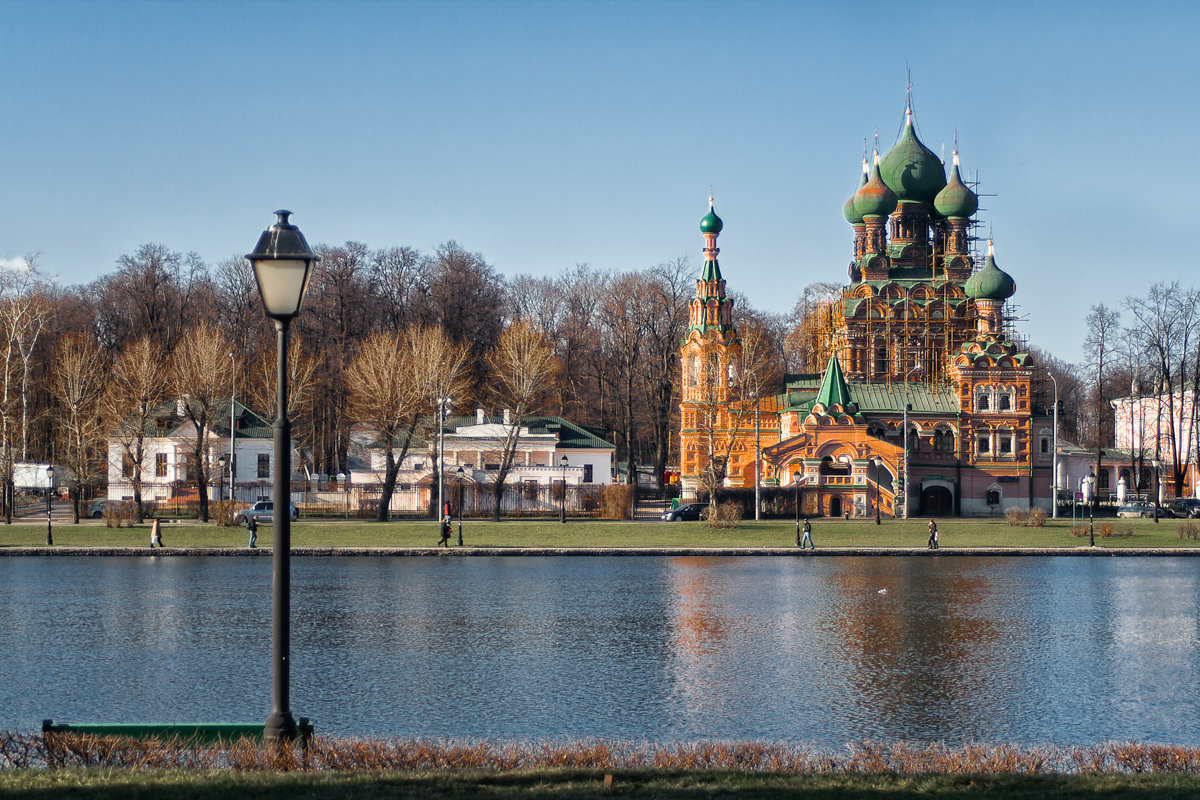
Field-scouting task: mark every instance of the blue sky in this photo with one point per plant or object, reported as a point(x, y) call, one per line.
point(546, 134)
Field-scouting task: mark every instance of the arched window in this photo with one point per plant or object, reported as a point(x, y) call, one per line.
point(1103, 479)
point(693, 370)
point(993, 497)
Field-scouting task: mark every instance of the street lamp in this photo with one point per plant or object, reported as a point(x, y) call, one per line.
point(796, 482)
point(1089, 490)
point(563, 505)
point(877, 463)
point(443, 403)
point(1157, 487)
point(49, 492)
point(1054, 457)
point(221, 462)
point(282, 262)
point(460, 506)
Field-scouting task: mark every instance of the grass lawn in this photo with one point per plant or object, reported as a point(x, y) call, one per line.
point(108, 784)
point(955, 533)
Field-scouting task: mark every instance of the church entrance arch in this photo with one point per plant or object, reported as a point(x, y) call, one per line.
point(936, 501)
point(835, 506)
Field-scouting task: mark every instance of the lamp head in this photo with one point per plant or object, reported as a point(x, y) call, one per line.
point(282, 263)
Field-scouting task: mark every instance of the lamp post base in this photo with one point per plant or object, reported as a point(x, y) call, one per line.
point(281, 726)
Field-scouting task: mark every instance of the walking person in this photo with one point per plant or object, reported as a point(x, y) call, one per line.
point(155, 533)
point(807, 536)
point(933, 535)
point(445, 540)
point(252, 526)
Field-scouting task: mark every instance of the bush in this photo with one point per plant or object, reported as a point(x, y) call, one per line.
point(221, 512)
point(1104, 529)
point(120, 515)
point(616, 501)
point(724, 515)
point(1015, 517)
point(1037, 518)
point(1188, 530)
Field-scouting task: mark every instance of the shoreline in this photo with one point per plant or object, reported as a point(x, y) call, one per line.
point(475, 552)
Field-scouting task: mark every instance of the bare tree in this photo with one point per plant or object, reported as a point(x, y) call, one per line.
point(624, 314)
point(201, 371)
point(23, 317)
point(150, 294)
point(1168, 324)
point(522, 377)
point(78, 385)
point(1103, 326)
point(137, 386)
point(669, 288)
point(394, 381)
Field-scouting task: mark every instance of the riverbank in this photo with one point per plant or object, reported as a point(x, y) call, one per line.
point(581, 537)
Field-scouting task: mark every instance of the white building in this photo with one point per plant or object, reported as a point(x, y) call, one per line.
point(475, 445)
point(167, 451)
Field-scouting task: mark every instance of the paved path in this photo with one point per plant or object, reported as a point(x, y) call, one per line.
point(464, 552)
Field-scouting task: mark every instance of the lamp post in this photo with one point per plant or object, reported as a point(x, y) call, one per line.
point(1157, 487)
point(49, 494)
point(1089, 490)
point(282, 263)
point(796, 483)
point(1054, 457)
point(877, 463)
point(904, 469)
point(221, 462)
point(442, 402)
point(460, 506)
point(563, 505)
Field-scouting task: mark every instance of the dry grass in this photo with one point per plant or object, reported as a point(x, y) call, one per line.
point(724, 515)
point(73, 751)
point(616, 501)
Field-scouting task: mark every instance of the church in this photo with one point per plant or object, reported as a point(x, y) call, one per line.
point(926, 406)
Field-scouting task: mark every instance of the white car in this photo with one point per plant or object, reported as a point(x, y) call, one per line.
point(260, 512)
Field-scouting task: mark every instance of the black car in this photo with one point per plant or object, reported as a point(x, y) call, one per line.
point(687, 513)
point(1188, 507)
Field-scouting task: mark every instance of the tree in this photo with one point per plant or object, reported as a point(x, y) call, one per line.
point(23, 317)
point(151, 294)
point(1168, 323)
point(78, 385)
point(523, 374)
point(137, 386)
point(668, 289)
point(1102, 332)
point(624, 314)
point(201, 371)
point(394, 382)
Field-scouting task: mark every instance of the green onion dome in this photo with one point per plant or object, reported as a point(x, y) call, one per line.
point(991, 282)
point(956, 201)
point(711, 223)
point(912, 170)
point(848, 209)
point(874, 198)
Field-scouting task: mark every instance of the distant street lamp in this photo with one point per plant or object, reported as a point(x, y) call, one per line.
point(1054, 457)
point(49, 493)
point(460, 506)
point(443, 404)
point(1157, 486)
point(563, 514)
point(282, 262)
point(221, 462)
point(1089, 491)
point(877, 463)
point(796, 482)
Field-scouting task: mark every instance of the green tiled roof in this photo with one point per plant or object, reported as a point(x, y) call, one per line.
point(883, 398)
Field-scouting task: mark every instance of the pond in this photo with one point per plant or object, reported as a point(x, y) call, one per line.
point(822, 650)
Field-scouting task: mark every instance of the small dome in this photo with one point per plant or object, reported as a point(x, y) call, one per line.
point(848, 210)
point(874, 199)
point(991, 282)
point(711, 223)
point(912, 170)
point(956, 201)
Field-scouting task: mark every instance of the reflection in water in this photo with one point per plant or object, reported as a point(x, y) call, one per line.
point(1070, 650)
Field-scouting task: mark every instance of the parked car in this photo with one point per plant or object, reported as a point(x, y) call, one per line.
point(1136, 508)
point(1188, 507)
point(690, 512)
point(260, 512)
